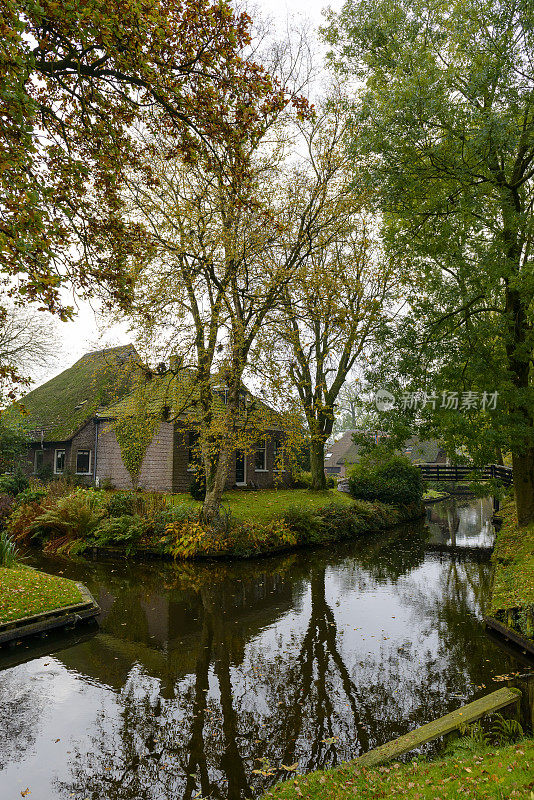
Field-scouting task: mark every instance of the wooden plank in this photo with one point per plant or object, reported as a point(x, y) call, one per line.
point(439, 727)
point(509, 633)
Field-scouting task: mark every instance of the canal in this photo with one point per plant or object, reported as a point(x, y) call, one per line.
point(218, 680)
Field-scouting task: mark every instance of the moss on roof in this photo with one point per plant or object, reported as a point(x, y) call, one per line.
point(177, 394)
point(62, 405)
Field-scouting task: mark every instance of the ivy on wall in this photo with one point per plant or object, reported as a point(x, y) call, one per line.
point(134, 434)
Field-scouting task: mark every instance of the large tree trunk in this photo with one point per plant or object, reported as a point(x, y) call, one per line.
point(519, 365)
point(318, 478)
point(523, 468)
point(216, 478)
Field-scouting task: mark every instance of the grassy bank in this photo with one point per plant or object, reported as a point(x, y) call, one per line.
point(512, 599)
point(24, 591)
point(64, 519)
point(263, 506)
point(488, 773)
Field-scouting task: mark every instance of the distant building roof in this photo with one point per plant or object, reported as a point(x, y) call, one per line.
point(345, 451)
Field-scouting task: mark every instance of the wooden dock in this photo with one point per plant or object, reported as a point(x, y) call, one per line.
point(433, 730)
point(58, 618)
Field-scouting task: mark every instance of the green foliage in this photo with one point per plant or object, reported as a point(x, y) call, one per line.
point(134, 434)
point(9, 554)
point(472, 738)
point(13, 443)
point(31, 495)
point(505, 730)
point(122, 531)
point(393, 480)
point(307, 524)
point(120, 504)
point(448, 143)
point(15, 483)
point(303, 480)
point(73, 516)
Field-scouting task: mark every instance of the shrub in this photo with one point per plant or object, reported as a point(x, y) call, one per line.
point(308, 525)
point(126, 530)
point(45, 473)
point(198, 486)
point(9, 554)
point(190, 538)
point(167, 516)
point(392, 479)
point(23, 515)
point(331, 481)
point(31, 495)
point(7, 502)
point(120, 504)
point(300, 480)
point(15, 483)
point(74, 516)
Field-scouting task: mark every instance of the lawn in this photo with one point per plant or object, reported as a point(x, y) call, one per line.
point(262, 506)
point(513, 583)
point(24, 591)
point(499, 773)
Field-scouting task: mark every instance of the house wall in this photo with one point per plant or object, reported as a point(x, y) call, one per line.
point(182, 478)
point(157, 466)
point(83, 440)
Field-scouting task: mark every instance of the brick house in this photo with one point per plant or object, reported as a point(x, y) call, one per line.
point(70, 418)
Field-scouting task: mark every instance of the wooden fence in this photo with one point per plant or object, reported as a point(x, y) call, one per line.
point(466, 472)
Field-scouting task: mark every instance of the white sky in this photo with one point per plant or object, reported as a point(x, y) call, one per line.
point(86, 332)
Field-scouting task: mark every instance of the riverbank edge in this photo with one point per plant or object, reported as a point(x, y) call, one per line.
point(494, 772)
point(395, 516)
point(54, 601)
point(512, 591)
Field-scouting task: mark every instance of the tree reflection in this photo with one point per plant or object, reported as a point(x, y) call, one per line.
point(225, 696)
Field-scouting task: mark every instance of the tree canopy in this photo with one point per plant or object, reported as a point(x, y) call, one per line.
point(446, 116)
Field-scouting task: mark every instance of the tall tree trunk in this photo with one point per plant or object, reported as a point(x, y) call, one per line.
point(215, 484)
point(519, 364)
point(318, 477)
point(523, 469)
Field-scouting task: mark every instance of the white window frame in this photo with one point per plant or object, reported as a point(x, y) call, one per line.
point(59, 450)
point(259, 450)
point(39, 450)
point(85, 450)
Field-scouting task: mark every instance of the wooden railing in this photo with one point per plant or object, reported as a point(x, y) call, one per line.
point(465, 472)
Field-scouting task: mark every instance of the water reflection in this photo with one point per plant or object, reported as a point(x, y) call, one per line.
point(461, 522)
point(210, 679)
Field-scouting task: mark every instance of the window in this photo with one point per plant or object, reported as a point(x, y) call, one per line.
point(39, 461)
point(83, 462)
point(260, 457)
point(193, 452)
point(59, 462)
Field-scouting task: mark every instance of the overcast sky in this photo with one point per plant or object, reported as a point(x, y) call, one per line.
point(85, 333)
